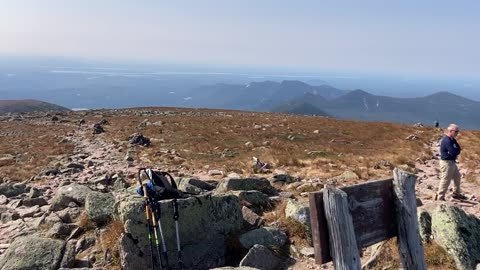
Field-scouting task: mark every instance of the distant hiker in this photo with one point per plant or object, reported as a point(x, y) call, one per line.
point(436, 124)
point(449, 150)
point(260, 167)
point(97, 129)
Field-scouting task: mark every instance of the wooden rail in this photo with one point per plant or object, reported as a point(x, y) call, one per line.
point(367, 213)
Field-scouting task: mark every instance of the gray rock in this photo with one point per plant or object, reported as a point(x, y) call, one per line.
point(11, 190)
point(3, 199)
point(308, 252)
point(31, 252)
point(297, 211)
point(60, 230)
point(34, 193)
point(99, 207)
point(347, 175)
point(262, 258)
point(204, 226)
point(68, 259)
point(9, 215)
point(120, 184)
point(425, 225)
point(193, 185)
point(34, 201)
point(84, 243)
point(75, 166)
point(69, 214)
point(260, 184)
point(104, 179)
point(70, 193)
point(458, 233)
point(266, 236)
point(251, 218)
point(301, 213)
point(254, 198)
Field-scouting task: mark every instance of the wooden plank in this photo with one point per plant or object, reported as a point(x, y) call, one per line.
point(373, 211)
point(318, 222)
point(410, 243)
point(340, 226)
point(372, 207)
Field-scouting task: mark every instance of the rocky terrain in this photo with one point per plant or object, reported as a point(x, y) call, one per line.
point(80, 210)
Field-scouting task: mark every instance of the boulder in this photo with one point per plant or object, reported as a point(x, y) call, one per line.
point(262, 258)
point(458, 233)
point(68, 259)
point(345, 176)
point(70, 193)
point(301, 213)
point(251, 218)
point(99, 207)
point(32, 252)
point(297, 211)
point(260, 184)
point(205, 222)
point(11, 190)
point(193, 185)
point(254, 199)
point(425, 225)
point(266, 236)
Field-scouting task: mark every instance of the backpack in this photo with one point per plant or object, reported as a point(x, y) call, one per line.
point(162, 186)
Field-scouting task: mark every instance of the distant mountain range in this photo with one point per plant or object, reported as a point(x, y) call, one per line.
point(444, 107)
point(28, 105)
point(288, 96)
point(300, 98)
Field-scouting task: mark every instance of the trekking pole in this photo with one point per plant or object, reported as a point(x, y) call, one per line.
point(162, 238)
point(147, 214)
point(179, 249)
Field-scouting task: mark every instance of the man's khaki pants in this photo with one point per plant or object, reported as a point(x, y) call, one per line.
point(448, 171)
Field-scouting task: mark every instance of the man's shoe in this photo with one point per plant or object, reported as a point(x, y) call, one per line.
point(459, 197)
point(439, 198)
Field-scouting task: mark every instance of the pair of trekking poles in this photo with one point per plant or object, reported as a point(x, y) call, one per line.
point(152, 194)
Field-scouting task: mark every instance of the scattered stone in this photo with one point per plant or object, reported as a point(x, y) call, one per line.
point(138, 139)
point(266, 236)
point(251, 218)
point(32, 252)
point(260, 184)
point(215, 172)
point(458, 233)
point(261, 257)
point(69, 193)
point(308, 252)
point(254, 199)
point(99, 207)
point(98, 129)
point(11, 190)
point(425, 225)
point(3, 199)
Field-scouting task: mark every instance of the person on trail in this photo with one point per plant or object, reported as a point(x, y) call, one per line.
point(449, 150)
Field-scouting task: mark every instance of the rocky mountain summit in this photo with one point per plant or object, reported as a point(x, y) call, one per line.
point(82, 210)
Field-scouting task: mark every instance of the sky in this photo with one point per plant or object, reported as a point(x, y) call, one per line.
point(426, 37)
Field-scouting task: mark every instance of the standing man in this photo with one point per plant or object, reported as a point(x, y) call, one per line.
point(449, 150)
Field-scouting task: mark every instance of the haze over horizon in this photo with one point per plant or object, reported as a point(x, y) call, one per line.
point(434, 38)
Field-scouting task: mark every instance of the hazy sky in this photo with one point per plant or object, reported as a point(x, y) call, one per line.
point(424, 36)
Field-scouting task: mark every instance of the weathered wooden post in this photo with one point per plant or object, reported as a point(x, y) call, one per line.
point(410, 243)
point(343, 245)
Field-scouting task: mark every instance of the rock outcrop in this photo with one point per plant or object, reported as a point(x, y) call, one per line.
point(458, 233)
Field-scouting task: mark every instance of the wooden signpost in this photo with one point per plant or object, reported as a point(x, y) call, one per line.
point(365, 214)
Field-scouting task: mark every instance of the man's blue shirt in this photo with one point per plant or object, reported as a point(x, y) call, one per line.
point(449, 148)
